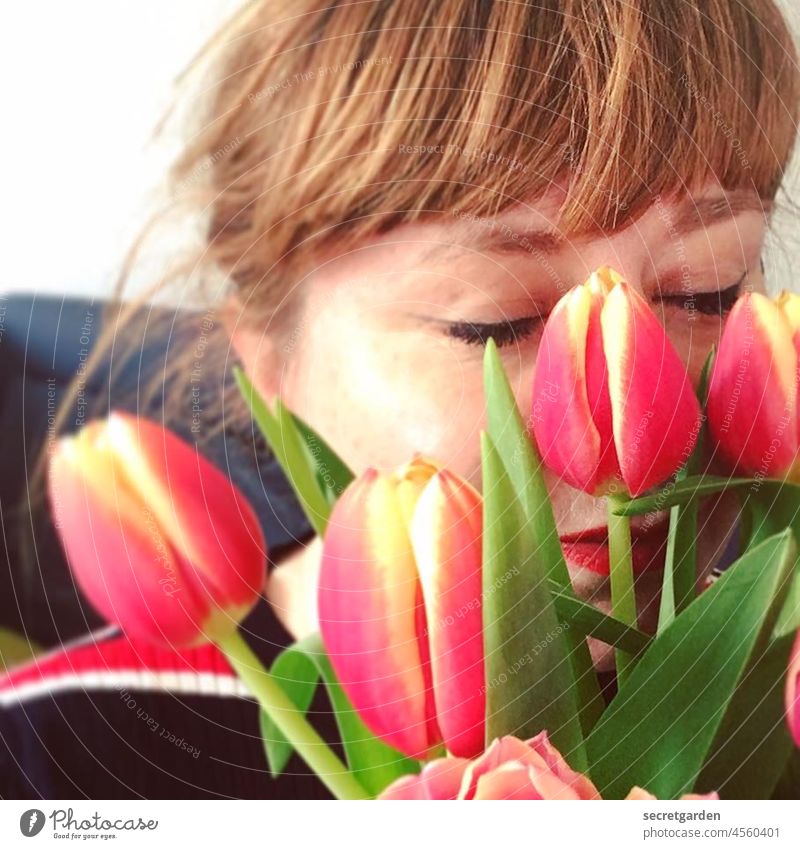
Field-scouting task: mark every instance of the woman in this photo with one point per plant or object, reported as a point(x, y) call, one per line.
point(387, 185)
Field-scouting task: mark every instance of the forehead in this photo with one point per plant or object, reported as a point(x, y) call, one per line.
point(708, 225)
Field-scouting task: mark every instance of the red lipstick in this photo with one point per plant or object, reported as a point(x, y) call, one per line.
point(588, 549)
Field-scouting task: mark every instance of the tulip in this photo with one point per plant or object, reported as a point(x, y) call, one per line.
point(753, 393)
point(159, 540)
point(509, 769)
point(611, 398)
point(400, 607)
point(793, 692)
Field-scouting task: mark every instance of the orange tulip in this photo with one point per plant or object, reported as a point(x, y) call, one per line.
point(400, 607)
point(611, 398)
point(159, 540)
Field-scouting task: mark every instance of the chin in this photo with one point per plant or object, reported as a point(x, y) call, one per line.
point(593, 586)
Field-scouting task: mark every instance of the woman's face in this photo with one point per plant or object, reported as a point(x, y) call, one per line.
point(386, 357)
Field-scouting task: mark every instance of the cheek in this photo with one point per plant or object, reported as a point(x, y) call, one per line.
point(380, 397)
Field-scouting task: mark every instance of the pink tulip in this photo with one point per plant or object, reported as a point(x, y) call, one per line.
point(611, 398)
point(793, 692)
point(399, 607)
point(509, 769)
point(159, 540)
point(753, 396)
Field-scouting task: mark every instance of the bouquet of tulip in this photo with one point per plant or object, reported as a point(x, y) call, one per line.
point(451, 643)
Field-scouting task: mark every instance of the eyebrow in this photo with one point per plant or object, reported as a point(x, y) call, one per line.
point(689, 216)
point(502, 237)
point(692, 215)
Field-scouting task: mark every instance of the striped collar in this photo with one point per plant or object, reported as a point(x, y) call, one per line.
point(108, 660)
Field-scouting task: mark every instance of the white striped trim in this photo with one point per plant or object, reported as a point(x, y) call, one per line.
point(137, 680)
point(105, 633)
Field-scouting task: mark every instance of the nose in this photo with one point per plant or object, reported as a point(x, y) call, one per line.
point(574, 510)
point(625, 252)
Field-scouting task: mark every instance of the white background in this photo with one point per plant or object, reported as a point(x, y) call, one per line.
point(398, 825)
point(82, 85)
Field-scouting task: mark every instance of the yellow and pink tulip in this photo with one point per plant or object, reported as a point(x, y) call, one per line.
point(159, 540)
point(612, 402)
point(753, 392)
point(400, 607)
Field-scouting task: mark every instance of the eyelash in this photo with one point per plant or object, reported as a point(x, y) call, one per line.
point(515, 330)
point(717, 303)
point(503, 332)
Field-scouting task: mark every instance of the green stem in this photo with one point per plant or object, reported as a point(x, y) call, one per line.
point(289, 720)
point(623, 599)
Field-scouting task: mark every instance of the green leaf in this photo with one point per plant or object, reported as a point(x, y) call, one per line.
point(302, 471)
point(771, 505)
point(333, 474)
point(680, 492)
point(680, 564)
point(522, 463)
point(299, 669)
point(679, 585)
point(752, 746)
point(789, 618)
point(660, 727)
point(299, 676)
point(291, 452)
point(529, 685)
point(591, 622)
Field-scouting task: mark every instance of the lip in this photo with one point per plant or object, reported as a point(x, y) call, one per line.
point(588, 549)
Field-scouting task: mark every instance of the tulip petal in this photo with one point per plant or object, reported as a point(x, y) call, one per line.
point(442, 777)
point(752, 400)
point(203, 514)
point(439, 779)
point(793, 692)
point(550, 786)
point(637, 794)
point(789, 304)
point(562, 412)
point(556, 764)
point(446, 537)
point(655, 410)
point(597, 391)
point(510, 780)
point(125, 566)
point(370, 614)
point(408, 787)
point(499, 751)
point(411, 481)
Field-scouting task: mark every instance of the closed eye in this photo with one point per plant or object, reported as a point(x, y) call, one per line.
point(719, 302)
point(503, 332)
